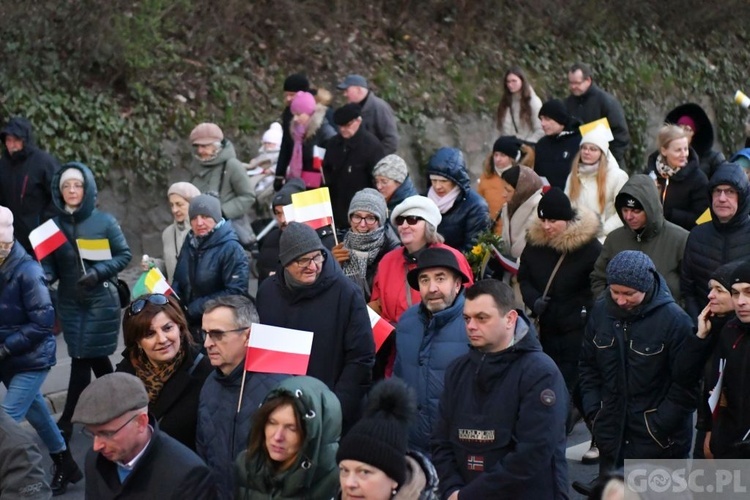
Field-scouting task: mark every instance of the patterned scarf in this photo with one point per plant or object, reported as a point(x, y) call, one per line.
point(155, 376)
point(363, 249)
point(664, 169)
point(295, 164)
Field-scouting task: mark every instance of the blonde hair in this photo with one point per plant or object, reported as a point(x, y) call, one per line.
point(601, 179)
point(667, 134)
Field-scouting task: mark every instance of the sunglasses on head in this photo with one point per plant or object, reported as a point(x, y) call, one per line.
point(156, 299)
point(412, 220)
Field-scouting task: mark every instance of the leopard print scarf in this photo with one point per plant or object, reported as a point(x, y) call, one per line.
point(155, 376)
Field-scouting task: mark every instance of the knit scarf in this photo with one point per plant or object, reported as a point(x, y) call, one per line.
point(154, 376)
point(664, 169)
point(586, 170)
point(444, 203)
point(295, 164)
point(364, 249)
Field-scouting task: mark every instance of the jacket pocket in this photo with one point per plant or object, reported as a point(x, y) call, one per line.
point(663, 442)
point(603, 340)
point(646, 348)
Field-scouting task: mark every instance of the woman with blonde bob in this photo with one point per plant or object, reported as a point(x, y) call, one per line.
point(596, 178)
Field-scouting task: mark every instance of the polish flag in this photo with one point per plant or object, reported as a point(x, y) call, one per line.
point(313, 208)
point(155, 282)
point(318, 156)
point(508, 264)
point(271, 349)
point(381, 329)
point(46, 239)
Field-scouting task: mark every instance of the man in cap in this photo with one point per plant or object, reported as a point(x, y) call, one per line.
point(430, 335)
point(212, 262)
point(644, 229)
point(377, 115)
point(588, 102)
point(350, 158)
point(26, 174)
point(223, 427)
point(130, 456)
point(501, 419)
point(310, 292)
point(555, 151)
point(639, 398)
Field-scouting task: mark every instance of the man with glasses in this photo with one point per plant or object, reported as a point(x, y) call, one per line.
point(224, 420)
point(724, 239)
point(310, 292)
point(130, 456)
point(350, 158)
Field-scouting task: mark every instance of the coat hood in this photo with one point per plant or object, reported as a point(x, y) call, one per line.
point(643, 188)
point(227, 153)
point(703, 140)
point(450, 163)
point(528, 184)
point(584, 228)
point(89, 192)
point(321, 414)
point(733, 175)
point(20, 127)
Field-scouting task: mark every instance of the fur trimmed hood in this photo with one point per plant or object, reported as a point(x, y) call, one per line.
point(585, 227)
point(316, 121)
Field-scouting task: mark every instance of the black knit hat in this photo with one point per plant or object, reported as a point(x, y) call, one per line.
point(284, 196)
point(380, 438)
point(297, 240)
point(347, 113)
point(625, 200)
point(296, 82)
point(723, 274)
point(555, 205)
point(741, 274)
point(555, 109)
point(508, 145)
point(632, 269)
point(511, 175)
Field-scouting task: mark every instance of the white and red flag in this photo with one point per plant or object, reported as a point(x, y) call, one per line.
point(46, 238)
point(381, 329)
point(272, 349)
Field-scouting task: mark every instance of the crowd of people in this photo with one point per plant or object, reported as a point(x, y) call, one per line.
point(622, 301)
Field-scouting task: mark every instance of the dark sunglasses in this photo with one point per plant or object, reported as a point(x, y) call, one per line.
point(412, 220)
point(156, 299)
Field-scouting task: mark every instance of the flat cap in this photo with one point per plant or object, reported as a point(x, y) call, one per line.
point(109, 397)
point(352, 81)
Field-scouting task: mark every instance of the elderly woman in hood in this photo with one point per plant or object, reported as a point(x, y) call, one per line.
point(524, 190)
point(292, 447)
point(464, 212)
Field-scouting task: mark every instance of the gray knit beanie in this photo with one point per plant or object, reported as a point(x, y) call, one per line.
point(206, 205)
point(369, 200)
point(297, 240)
point(393, 167)
point(632, 269)
point(183, 189)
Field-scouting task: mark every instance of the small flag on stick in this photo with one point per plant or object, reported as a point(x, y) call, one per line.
point(94, 249)
point(271, 349)
point(46, 238)
point(381, 329)
point(313, 208)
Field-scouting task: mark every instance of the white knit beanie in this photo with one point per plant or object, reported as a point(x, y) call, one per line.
point(71, 173)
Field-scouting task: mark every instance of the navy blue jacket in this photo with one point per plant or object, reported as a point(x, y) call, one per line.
point(714, 243)
point(333, 308)
point(633, 386)
point(90, 318)
point(26, 315)
point(222, 433)
point(425, 345)
point(210, 267)
point(469, 215)
point(501, 426)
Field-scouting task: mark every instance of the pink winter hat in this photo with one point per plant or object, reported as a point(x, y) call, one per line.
point(303, 103)
point(6, 225)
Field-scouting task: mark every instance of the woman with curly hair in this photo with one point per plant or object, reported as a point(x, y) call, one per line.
point(518, 111)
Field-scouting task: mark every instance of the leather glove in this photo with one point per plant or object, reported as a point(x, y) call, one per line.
point(540, 305)
point(340, 253)
point(89, 280)
point(278, 182)
point(4, 352)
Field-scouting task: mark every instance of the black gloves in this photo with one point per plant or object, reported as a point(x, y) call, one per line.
point(540, 305)
point(278, 182)
point(89, 280)
point(4, 352)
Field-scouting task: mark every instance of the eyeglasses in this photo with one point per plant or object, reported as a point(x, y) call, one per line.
point(717, 192)
point(156, 299)
point(383, 182)
point(412, 220)
point(107, 434)
point(305, 261)
point(218, 335)
point(369, 219)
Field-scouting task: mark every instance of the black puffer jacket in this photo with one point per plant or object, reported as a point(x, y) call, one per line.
point(715, 243)
point(631, 383)
point(554, 154)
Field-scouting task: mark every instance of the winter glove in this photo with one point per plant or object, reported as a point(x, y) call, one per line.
point(89, 280)
point(278, 182)
point(4, 352)
point(340, 253)
point(540, 305)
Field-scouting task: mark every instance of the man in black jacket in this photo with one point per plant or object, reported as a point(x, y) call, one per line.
point(350, 157)
point(556, 150)
point(130, 457)
point(588, 102)
point(25, 179)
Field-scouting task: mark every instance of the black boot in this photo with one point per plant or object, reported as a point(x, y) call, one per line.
point(64, 471)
